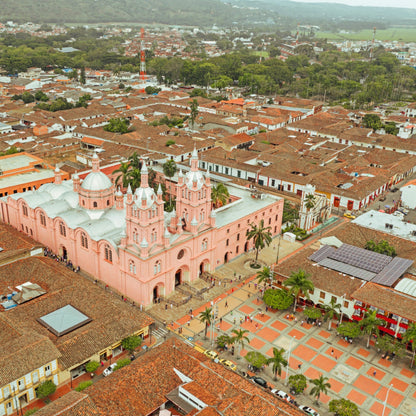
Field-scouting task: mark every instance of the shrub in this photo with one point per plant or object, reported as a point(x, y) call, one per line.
point(277, 298)
point(122, 363)
point(45, 389)
point(297, 383)
point(31, 411)
point(170, 143)
point(83, 385)
point(131, 343)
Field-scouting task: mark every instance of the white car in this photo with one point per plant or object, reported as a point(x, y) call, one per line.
point(281, 394)
point(109, 370)
point(309, 411)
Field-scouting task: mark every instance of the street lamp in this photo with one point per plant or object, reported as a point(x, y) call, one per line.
point(385, 401)
point(288, 360)
point(342, 305)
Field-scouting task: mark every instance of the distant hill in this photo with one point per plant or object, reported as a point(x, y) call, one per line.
point(173, 12)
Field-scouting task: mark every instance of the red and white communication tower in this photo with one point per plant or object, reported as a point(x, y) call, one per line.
point(142, 61)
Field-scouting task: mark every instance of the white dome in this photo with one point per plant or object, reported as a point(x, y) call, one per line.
point(194, 176)
point(96, 181)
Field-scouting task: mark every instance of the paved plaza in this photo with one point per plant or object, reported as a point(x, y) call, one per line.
point(355, 372)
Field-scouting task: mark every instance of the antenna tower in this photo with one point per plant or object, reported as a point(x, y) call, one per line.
point(372, 44)
point(142, 60)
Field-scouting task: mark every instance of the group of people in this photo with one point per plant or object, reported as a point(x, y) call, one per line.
point(68, 263)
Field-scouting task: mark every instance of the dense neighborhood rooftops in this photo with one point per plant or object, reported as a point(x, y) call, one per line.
point(112, 319)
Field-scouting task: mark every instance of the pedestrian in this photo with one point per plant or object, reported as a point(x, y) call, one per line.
point(226, 304)
point(299, 366)
point(141, 307)
point(241, 321)
point(102, 363)
point(374, 373)
point(171, 305)
point(266, 308)
point(251, 319)
point(166, 307)
point(220, 321)
point(234, 321)
point(301, 324)
point(332, 352)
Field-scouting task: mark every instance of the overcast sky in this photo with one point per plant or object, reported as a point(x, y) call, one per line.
point(380, 3)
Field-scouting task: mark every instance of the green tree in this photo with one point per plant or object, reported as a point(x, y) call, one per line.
point(169, 169)
point(256, 359)
point(331, 310)
point(41, 96)
point(224, 341)
point(312, 313)
point(321, 385)
point(206, 317)
point(372, 121)
point(410, 336)
point(117, 125)
point(382, 247)
point(299, 283)
point(278, 361)
point(91, 366)
point(82, 79)
point(152, 90)
point(390, 345)
point(124, 177)
point(344, 407)
point(27, 97)
point(31, 411)
point(260, 235)
point(290, 212)
point(370, 324)
point(194, 111)
point(297, 383)
point(277, 299)
point(219, 195)
point(45, 389)
point(264, 275)
point(240, 338)
point(131, 343)
point(349, 330)
point(170, 142)
point(134, 160)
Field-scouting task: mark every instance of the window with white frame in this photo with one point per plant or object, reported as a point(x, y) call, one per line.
point(132, 267)
point(157, 267)
point(108, 253)
point(84, 240)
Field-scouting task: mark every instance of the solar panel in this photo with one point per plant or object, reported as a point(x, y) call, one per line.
point(361, 258)
point(321, 254)
point(347, 269)
point(389, 275)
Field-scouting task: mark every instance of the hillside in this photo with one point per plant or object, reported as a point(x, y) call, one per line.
point(174, 12)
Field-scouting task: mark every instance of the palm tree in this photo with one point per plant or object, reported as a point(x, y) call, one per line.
point(260, 235)
point(169, 169)
point(310, 201)
point(124, 171)
point(194, 111)
point(206, 317)
point(134, 161)
point(264, 275)
point(219, 195)
point(278, 361)
point(299, 283)
point(410, 336)
point(370, 324)
point(239, 338)
point(321, 385)
point(135, 179)
point(224, 340)
point(331, 309)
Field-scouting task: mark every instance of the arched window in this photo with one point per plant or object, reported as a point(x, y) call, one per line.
point(95, 204)
point(132, 267)
point(204, 244)
point(153, 235)
point(62, 229)
point(24, 208)
point(84, 240)
point(42, 219)
point(135, 235)
point(157, 267)
point(108, 254)
point(202, 215)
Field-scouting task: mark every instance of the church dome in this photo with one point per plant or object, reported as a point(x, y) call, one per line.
point(96, 181)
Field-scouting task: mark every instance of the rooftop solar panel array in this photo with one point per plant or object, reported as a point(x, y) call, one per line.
point(361, 258)
point(347, 269)
point(389, 275)
point(322, 253)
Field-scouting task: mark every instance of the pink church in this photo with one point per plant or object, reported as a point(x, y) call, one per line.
point(128, 241)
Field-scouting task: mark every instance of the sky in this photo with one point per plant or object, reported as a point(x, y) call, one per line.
point(379, 3)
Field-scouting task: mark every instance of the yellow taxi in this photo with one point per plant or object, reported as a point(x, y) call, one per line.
point(211, 354)
point(349, 215)
point(228, 364)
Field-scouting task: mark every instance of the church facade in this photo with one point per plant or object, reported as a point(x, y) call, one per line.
point(128, 241)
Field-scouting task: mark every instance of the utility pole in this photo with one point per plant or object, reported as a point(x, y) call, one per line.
point(372, 44)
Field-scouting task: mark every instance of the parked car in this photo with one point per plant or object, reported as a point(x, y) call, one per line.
point(228, 364)
point(211, 354)
point(260, 381)
point(349, 215)
point(309, 411)
point(109, 370)
point(281, 394)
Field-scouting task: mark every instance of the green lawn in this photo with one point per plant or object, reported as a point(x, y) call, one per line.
point(263, 54)
point(393, 33)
